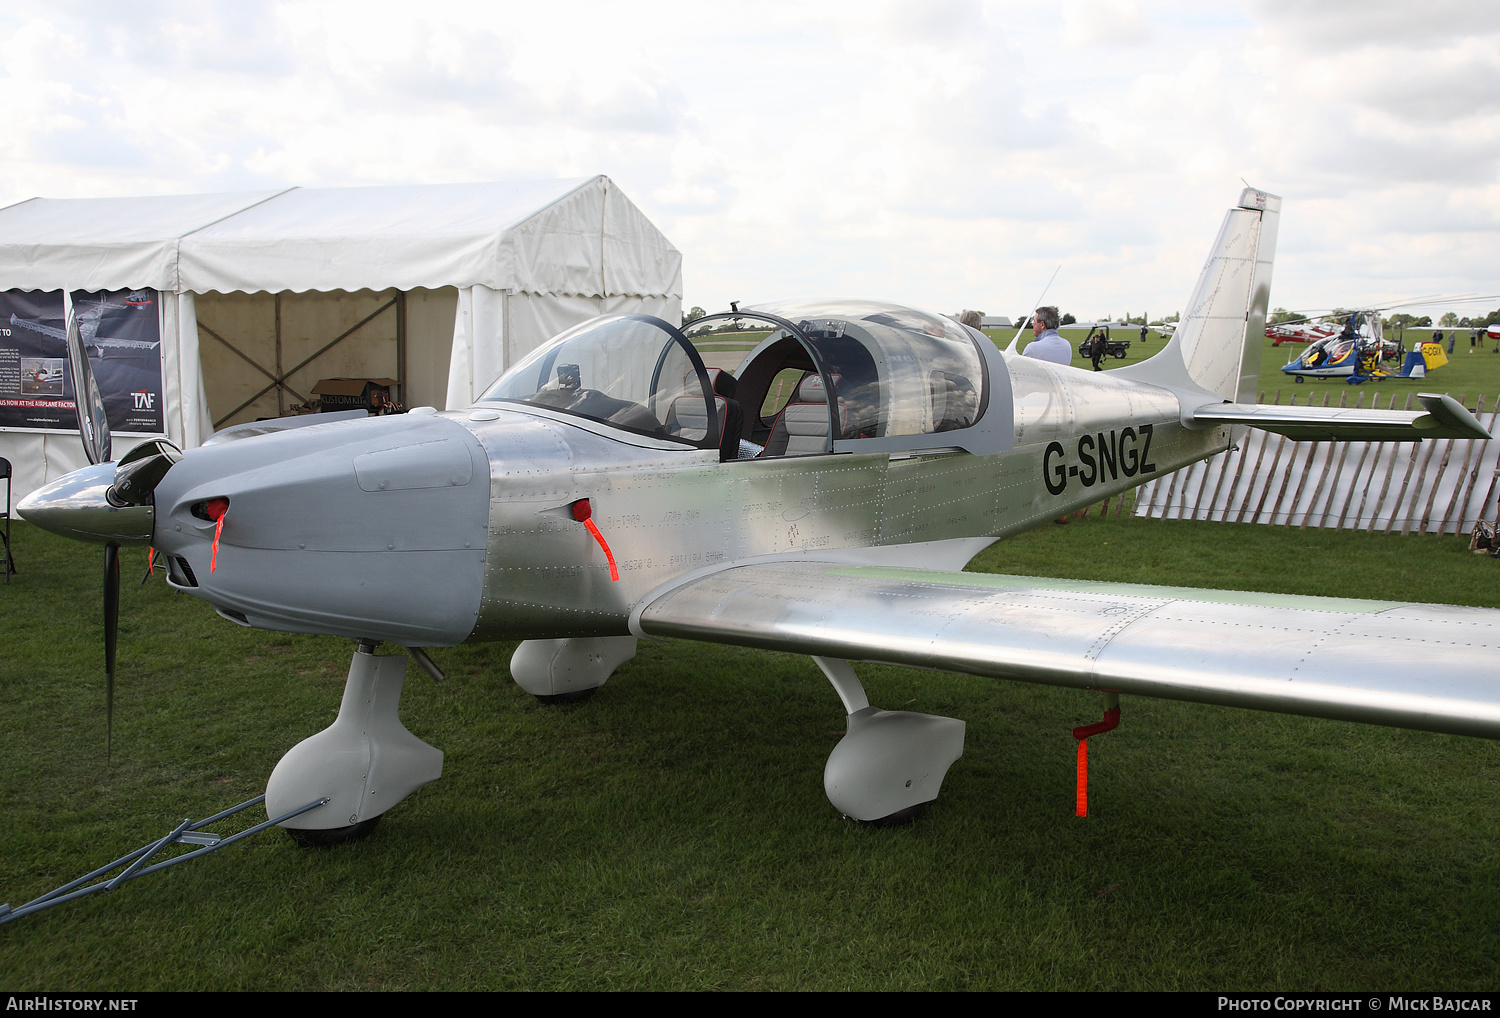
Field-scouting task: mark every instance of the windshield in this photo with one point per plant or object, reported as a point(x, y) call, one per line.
point(895, 370)
point(633, 372)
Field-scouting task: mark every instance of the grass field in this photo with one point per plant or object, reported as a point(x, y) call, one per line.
point(672, 831)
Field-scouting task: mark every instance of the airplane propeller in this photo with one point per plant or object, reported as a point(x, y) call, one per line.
point(141, 469)
point(92, 423)
point(136, 477)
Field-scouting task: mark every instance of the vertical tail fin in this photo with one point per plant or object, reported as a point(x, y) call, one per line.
point(1217, 344)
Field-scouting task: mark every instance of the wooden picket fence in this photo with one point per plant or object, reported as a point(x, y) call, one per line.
point(1439, 486)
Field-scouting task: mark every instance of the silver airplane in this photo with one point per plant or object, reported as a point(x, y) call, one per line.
point(822, 499)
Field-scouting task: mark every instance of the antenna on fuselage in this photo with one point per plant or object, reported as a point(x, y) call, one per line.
point(1034, 305)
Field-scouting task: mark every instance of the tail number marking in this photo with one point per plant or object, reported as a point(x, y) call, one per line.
point(1101, 456)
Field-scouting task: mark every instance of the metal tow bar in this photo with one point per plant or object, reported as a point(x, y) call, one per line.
point(186, 833)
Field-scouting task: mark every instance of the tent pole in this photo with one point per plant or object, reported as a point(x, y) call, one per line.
point(401, 394)
point(280, 378)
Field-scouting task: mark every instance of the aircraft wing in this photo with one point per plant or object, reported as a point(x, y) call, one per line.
point(46, 330)
point(1408, 665)
point(1441, 417)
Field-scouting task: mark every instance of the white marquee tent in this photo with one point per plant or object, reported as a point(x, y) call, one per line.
point(441, 287)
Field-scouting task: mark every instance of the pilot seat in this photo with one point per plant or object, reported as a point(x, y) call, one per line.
point(801, 429)
point(686, 414)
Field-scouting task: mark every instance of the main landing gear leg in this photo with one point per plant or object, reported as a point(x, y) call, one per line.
point(890, 763)
point(365, 762)
point(561, 671)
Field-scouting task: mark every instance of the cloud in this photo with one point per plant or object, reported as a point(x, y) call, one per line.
point(948, 153)
point(1104, 23)
point(1335, 25)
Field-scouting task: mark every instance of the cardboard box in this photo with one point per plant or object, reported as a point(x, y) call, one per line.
point(371, 394)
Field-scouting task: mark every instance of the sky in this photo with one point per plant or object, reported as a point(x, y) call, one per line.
point(947, 153)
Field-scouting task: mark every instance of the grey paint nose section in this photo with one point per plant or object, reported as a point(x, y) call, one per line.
point(75, 506)
point(370, 529)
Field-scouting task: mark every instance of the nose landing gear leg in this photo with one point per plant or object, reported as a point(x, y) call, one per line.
point(364, 763)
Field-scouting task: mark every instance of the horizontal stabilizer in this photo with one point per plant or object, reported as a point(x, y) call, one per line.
point(1381, 662)
point(1441, 417)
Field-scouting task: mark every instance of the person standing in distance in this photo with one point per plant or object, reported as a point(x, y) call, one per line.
point(1048, 345)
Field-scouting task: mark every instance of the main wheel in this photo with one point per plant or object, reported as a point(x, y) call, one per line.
point(1119, 355)
point(898, 818)
point(573, 697)
point(309, 838)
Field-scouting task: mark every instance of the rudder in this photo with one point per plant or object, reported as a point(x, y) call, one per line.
point(1216, 346)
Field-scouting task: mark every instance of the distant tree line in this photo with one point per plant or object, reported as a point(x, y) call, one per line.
point(1451, 320)
point(694, 313)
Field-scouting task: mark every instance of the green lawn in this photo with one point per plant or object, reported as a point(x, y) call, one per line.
point(672, 831)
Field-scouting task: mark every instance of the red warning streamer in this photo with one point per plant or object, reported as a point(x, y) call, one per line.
point(1083, 777)
point(583, 512)
point(216, 509)
point(1111, 721)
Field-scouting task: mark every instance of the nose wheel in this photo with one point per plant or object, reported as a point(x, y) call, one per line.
point(311, 838)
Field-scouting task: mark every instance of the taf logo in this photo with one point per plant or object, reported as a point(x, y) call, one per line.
point(1123, 452)
point(144, 400)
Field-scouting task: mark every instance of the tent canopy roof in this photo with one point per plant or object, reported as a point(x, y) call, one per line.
point(576, 236)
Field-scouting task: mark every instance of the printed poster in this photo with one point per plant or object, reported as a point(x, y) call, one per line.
point(121, 332)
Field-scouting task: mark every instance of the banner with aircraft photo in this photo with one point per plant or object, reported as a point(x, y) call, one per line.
point(121, 331)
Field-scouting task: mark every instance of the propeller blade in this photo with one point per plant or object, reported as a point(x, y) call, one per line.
point(93, 426)
point(111, 639)
point(141, 469)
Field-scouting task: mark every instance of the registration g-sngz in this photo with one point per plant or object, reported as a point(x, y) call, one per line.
point(1101, 456)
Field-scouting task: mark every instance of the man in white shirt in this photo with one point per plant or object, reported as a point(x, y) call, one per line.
point(1047, 345)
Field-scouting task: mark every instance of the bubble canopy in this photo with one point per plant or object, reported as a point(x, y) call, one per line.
point(895, 370)
point(633, 372)
point(895, 373)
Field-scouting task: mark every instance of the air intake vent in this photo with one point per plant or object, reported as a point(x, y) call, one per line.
point(179, 572)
